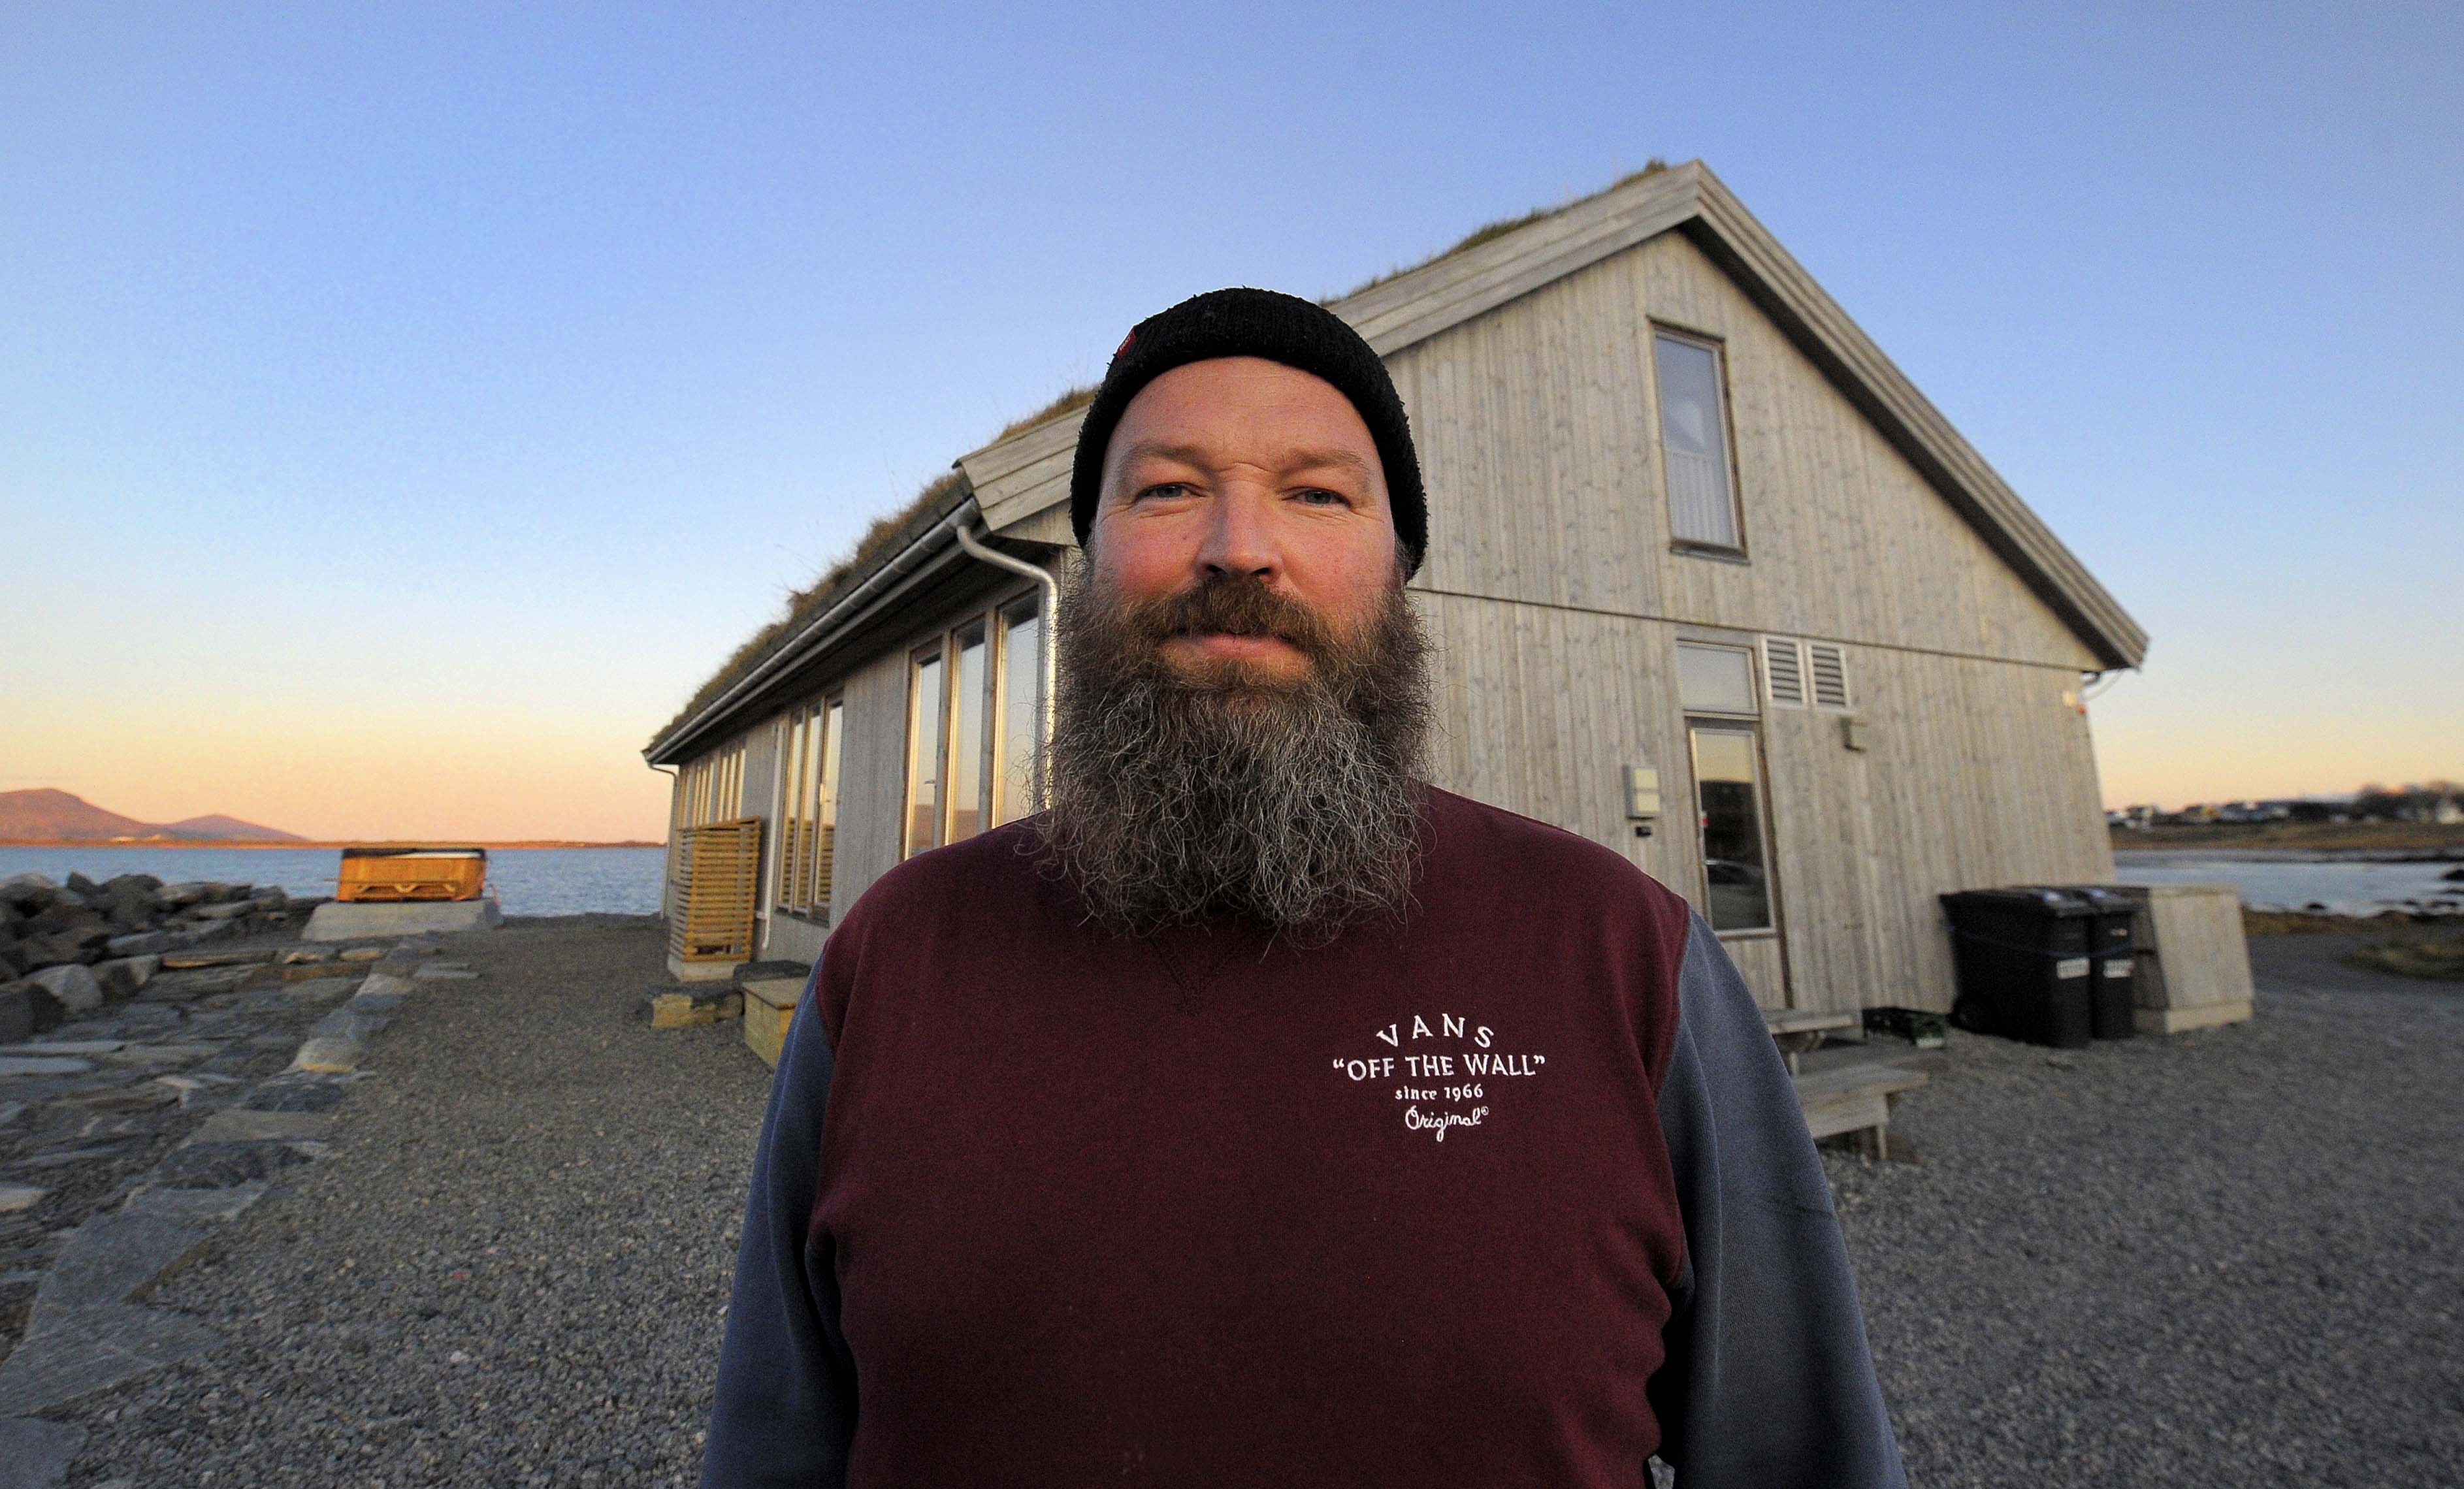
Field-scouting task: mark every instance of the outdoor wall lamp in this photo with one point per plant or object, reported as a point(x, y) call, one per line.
point(1642, 799)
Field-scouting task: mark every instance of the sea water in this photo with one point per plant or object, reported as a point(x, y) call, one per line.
point(2287, 881)
point(525, 881)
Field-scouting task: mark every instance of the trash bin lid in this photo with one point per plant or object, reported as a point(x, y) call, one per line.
point(2045, 901)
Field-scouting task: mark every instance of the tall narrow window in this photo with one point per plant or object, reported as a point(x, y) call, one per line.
point(1718, 681)
point(924, 746)
point(832, 725)
point(1694, 441)
point(1735, 865)
point(794, 778)
point(967, 737)
point(1021, 724)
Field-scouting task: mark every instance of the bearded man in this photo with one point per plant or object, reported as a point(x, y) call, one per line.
point(1258, 1113)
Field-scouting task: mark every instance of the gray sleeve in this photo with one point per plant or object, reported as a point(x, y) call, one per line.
point(784, 1411)
point(1767, 1380)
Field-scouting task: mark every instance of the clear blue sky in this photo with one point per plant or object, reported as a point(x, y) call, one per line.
point(494, 369)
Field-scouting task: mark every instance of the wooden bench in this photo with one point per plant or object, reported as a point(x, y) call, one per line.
point(1852, 1097)
point(1799, 1031)
point(1856, 1098)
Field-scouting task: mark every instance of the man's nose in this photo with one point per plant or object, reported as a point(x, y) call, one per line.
point(1240, 538)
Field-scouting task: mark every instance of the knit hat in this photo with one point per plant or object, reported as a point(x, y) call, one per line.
point(1278, 327)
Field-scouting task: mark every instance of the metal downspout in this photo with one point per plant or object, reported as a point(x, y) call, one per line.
point(1051, 587)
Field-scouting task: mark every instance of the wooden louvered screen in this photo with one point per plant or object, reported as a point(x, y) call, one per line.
point(1829, 675)
point(1783, 671)
point(716, 882)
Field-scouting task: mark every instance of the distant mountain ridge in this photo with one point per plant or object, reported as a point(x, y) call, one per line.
point(49, 816)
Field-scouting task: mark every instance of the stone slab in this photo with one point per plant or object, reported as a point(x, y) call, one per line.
point(63, 1047)
point(34, 1064)
point(359, 953)
point(187, 961)
point(111, 1259)
point(34, 1454)
point(327, 1055)
point(387, 982)
point(194, 1206)
point(348, 1023)
point(92, 1350)
point(340, 922)
point(16, 1198)
point(142, 1055)
point(238, 1125)
point(230, 1165)
point(444, 974)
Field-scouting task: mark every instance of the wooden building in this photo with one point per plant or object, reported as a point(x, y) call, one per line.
point(1689, 529)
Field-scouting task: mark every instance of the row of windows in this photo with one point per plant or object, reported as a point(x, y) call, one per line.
point(809, 742)
point(974, 720)
point(711, 789)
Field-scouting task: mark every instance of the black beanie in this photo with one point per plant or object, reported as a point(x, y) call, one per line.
point(1278, 327)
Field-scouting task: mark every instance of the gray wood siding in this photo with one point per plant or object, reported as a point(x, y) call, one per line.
point(873, 766)
point(1539, 438)
point(1976, 772)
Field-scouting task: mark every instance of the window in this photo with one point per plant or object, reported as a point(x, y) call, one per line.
point(1694, 441)
point(1022, 718)
point(712, 788)
point(1716, 684)
point(967, 741)
point(1790, 666)
point(1736, 872)
point(975, 722)
point(808, 806)
point(924, 751)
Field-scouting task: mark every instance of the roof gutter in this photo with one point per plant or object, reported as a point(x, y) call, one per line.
point(1051, 587)
point(905, 561)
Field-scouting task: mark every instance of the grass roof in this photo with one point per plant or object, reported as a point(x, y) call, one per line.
point(888, 533)
point(898, 528)
point(1489, 232)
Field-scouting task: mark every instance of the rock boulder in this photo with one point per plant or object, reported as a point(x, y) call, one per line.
point(72, 985)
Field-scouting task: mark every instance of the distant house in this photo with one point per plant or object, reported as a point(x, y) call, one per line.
point(1685, 518)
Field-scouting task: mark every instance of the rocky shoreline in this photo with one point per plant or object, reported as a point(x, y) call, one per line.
point(173, 1050)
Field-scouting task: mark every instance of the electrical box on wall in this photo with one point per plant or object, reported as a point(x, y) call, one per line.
point(1852, 733)
point(1642, 797)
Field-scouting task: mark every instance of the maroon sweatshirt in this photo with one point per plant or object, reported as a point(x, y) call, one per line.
point(1515, 1193)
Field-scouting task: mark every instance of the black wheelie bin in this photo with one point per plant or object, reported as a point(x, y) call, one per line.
point(2023, 961)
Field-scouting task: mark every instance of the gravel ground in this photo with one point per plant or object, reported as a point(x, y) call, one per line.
point(2256, 1280)
point(512, 1269)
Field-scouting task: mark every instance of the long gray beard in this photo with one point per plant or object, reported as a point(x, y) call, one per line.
point(1177, 799)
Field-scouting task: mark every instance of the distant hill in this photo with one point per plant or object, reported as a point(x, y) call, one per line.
point(47, 816)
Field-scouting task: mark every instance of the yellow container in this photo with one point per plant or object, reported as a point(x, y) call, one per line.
point(394, 874)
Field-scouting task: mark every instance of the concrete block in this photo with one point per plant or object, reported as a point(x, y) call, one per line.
point(337, 921)
point(681, 971)
point(2179, 1020)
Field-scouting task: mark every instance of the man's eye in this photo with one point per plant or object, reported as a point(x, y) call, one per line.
point(1164, 490)
point(1320, 496)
